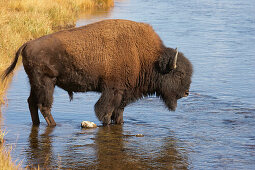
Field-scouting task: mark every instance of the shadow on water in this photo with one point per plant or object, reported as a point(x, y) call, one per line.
point(110, 149)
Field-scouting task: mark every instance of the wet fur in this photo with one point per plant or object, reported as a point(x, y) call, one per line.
point(124, 60)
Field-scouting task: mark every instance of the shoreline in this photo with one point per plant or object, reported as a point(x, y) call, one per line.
point(23, 20)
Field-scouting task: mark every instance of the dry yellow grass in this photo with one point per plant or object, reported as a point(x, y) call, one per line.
point(5, 157)
point(22, 20)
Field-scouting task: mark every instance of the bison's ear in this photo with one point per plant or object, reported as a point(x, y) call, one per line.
point(167, 60)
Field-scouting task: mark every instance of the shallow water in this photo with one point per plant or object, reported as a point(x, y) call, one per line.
point(213, 128)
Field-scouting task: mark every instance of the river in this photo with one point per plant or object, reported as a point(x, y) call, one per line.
point(213, 128)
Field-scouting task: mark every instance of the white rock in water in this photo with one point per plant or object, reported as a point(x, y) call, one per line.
point(88, 124)
point(139, 135)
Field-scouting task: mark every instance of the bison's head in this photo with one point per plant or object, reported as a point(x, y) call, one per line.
point(174, 78)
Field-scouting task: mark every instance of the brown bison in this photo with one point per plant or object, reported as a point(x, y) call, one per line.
point(124, 60)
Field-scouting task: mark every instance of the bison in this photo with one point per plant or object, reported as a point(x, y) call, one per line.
point(123, 60)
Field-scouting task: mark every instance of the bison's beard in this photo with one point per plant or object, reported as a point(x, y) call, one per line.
point(171, 103)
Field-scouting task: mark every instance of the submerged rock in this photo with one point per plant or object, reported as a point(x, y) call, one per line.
point(88, 124)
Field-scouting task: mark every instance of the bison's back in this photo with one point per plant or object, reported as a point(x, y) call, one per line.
point(113, 50)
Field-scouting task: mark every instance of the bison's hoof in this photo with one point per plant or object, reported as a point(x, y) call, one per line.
point(88, 124)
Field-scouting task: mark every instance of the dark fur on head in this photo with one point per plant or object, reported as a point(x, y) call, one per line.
point(176, 82)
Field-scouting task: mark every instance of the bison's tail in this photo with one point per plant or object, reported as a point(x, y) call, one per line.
point(12, 66)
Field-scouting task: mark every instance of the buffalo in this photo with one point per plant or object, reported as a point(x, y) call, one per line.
point(123, 60)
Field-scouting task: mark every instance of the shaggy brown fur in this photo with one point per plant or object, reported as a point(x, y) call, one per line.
point(124, 60)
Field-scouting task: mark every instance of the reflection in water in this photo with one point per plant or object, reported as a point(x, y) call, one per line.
point(92, 13)
point(170, 156)
point(39, 152)
point(117, 151)
point(211, 129)
point(110, 149)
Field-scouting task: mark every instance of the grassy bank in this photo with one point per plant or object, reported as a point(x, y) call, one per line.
point(22, 20)
point(5, 157)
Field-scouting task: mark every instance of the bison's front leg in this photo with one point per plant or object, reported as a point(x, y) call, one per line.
point(109, 100)
point(117, 116)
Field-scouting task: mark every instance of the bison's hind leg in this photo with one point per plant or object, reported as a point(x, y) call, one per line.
point(32, 103)
point(42, 88)
point(109, 100)
point(46, 99)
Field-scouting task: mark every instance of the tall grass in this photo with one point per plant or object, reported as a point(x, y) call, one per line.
point(22, 20)
point(5, 157)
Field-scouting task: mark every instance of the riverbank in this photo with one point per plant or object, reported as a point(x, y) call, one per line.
point(22, 20)
point(5, 157)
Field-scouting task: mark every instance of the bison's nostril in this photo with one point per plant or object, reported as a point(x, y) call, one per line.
point(186, 93)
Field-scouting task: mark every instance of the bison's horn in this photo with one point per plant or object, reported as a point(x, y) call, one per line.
point(175, 58)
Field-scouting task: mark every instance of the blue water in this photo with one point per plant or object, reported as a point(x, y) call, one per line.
point(213, 128)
